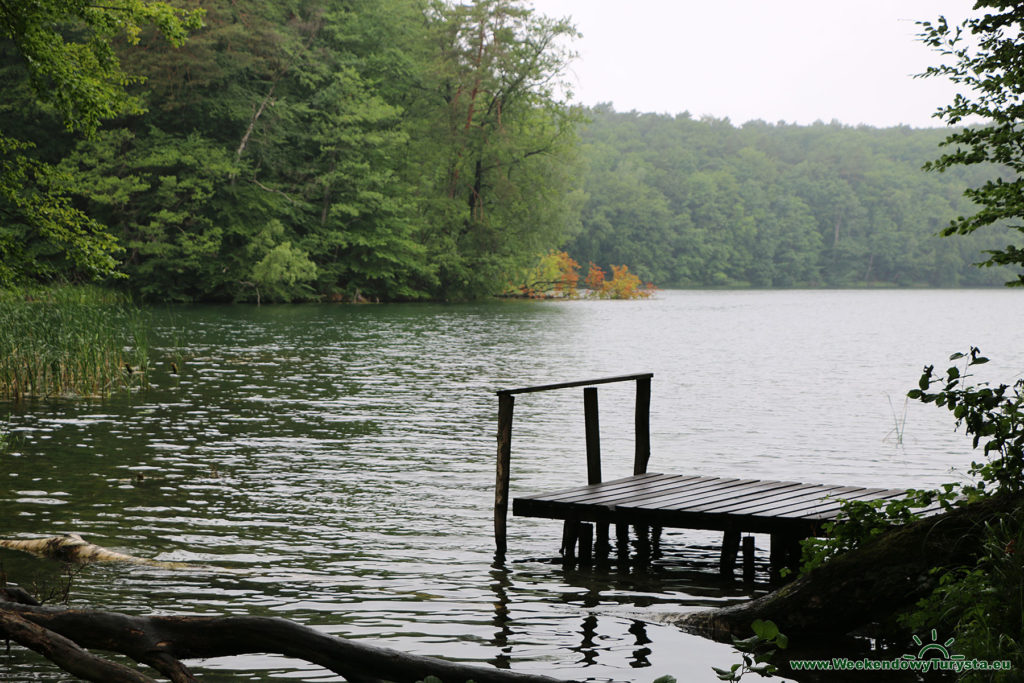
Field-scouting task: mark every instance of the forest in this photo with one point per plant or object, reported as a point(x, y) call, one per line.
point(697, 203)
point(387, 150)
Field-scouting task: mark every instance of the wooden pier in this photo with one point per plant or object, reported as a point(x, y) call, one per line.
point(788, 511)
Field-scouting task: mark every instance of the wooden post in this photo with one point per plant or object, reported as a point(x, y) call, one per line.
point(785, 554)
point(593, 432)
point(586, 541)
point(730, 546)
point(593, 435)
point(643, 425)
point(748, 559)
point(506, 404)
point(570, 534)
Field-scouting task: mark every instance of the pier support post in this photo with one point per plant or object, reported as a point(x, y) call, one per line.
point(570, 534)
point(622, 539)
point(730, 547)
point(748, 559)
point(785, 554)
point(586, 541)
point(506, 404)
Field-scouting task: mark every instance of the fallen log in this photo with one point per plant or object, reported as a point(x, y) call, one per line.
point(65, 653)
point(163, 641)
point(74, 549)
point(866, 585)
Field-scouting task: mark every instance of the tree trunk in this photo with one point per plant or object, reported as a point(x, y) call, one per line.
point(866, 585)
point(60, 634)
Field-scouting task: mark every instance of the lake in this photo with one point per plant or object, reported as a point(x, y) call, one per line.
point(341, 458)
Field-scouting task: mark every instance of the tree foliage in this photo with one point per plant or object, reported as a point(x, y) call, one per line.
point(986, 55)
point(62, 54)
point(695, 203)
point(398, 149)
point(404, 149)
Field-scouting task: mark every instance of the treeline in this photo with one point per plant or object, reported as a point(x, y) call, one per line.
point(391, 149)
point(406, 149)
point(688, 202)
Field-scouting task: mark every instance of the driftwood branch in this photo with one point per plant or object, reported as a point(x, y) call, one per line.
point(64, 652)
point(866, 585)
point(163, 641)
point(74, 549)
point(71, 548)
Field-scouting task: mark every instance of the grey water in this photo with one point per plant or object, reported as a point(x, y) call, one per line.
point(340, 460)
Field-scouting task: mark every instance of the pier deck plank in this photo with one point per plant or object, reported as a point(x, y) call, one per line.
point(789, 508)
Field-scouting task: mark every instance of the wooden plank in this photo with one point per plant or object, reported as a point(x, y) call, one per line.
point(865, 495)
point(703, 486)
point(784, 508)
point(776, 498)
point(823, 503)
point(602, 494)
point(735, 493)
point(608, 485)
point(885, 495)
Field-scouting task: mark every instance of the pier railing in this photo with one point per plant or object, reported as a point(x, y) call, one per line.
point(506, 405)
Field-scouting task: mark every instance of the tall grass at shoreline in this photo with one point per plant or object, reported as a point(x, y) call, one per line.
point(79, 341)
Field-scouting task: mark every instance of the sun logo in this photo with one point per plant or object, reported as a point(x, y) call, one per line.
point(934, 647)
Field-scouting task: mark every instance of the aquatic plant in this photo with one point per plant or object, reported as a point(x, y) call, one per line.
point(70, 342)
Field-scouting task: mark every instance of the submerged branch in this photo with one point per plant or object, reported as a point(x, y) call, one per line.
point(162, 641)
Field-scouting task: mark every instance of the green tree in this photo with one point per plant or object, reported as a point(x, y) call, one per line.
point(270, 114)
point(498, 141)
point(987, 56)
point(65, 52)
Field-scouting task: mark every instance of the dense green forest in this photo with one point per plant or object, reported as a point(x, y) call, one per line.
point(405, 149)
point(689, 202)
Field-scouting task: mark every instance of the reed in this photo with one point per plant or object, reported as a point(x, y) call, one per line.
point(70, 342)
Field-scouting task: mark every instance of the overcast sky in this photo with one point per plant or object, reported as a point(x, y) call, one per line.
point(778, 60)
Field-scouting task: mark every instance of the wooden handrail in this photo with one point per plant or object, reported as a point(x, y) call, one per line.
point(506, 406)
point(569, 385)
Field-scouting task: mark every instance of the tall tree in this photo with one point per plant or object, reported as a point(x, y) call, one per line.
point(987, 56)
point(501, 137)
point(65, 52)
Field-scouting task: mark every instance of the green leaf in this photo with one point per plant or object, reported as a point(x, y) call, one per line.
point(765, 629)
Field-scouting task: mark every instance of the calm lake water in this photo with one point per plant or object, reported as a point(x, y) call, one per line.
point(341, 458)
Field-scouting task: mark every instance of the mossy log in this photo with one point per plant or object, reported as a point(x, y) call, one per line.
point(65, 635)
point(864, 586)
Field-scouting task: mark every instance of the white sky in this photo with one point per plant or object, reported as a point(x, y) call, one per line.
point(778, 60)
